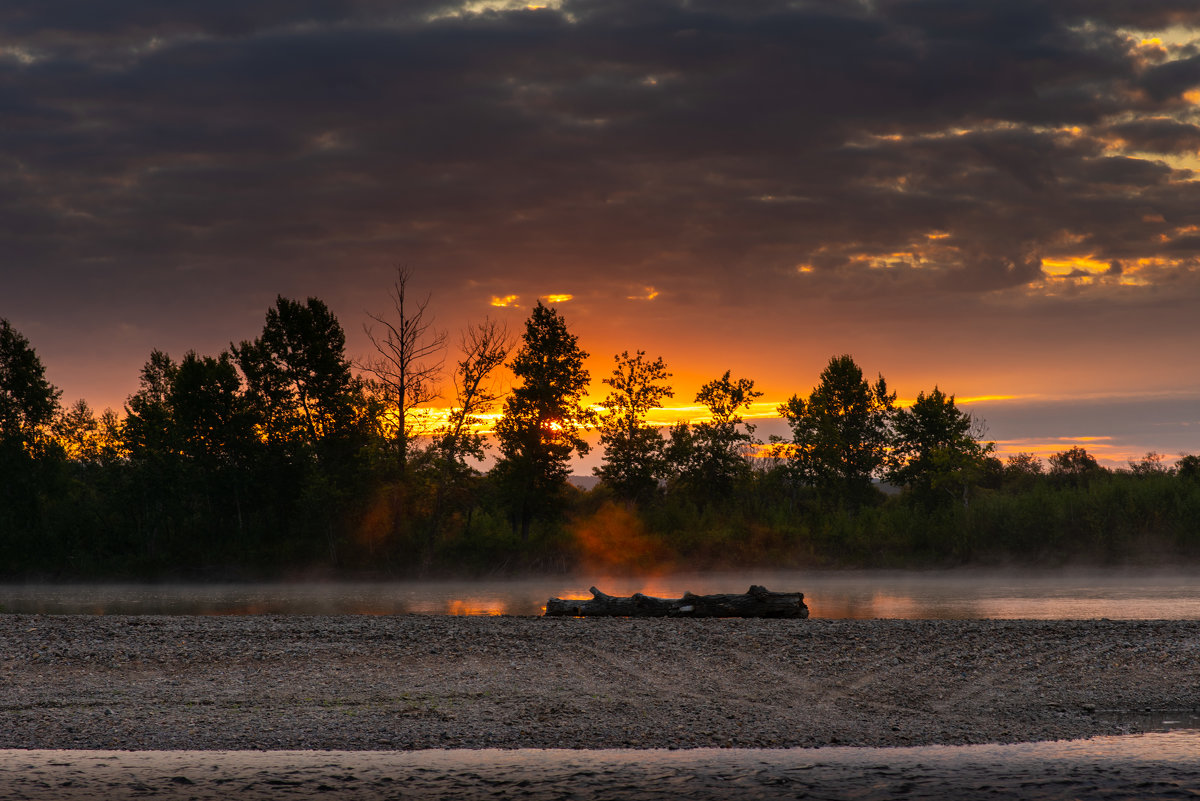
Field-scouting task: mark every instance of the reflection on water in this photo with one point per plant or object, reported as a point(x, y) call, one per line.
point(967, 594)
point(1152, 766)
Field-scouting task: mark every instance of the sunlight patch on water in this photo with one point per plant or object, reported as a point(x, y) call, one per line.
point(966, 594)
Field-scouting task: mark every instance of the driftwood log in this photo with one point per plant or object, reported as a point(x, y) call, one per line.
point(756, 602)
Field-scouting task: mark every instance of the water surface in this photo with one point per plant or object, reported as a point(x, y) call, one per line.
point(965, 594)
point(1151, 766)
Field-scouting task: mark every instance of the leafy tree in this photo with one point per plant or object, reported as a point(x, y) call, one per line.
point(935, 451)
point(633, 450)
point(1188, 467)
point(149, 425)
point(298, 380)
point(1152, 464)
point(29, 482)
point(1074, 466)
point(840, 433)
point(1023, 464)
point(711, 456)
point(1021, 471)
point(28, 402)
point(407, 363)
point(211, 421)
point(543, 418)
point(86, 438)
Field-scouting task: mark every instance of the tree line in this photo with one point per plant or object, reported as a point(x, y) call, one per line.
point(281, 455)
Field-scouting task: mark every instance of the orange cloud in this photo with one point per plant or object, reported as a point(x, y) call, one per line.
point(506, 302)
point(1073, 265)
point(559, 298)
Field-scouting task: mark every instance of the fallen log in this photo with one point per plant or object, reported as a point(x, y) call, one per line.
point(757, 602)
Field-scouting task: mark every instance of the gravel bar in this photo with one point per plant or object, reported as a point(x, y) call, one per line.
point(417, 682)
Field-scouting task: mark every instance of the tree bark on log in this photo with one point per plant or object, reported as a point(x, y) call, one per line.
point(757, 602)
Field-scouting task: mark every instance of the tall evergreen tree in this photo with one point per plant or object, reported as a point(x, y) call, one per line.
point(544, 417)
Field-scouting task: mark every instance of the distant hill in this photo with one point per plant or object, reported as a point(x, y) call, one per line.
point(584, 482)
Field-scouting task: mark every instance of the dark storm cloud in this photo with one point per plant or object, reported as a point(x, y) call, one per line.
point(1160, 135)
point(907, 146)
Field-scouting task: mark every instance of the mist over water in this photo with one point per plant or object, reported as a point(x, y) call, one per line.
point(963, 594)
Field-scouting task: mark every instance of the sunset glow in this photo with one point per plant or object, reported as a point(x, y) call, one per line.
point(1010, 241)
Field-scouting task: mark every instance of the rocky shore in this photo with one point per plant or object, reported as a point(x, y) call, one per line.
point(416, 682)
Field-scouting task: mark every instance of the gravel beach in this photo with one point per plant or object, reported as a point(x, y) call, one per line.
point(417, 682)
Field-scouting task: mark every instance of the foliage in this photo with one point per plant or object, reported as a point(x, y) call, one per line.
point(936, 453)
point(634, 464)
point(298, 380)
point(1074, 466)
point(840, 434)
point(28, 402)
point(206, 478)
point(710, 457)
point(544, 417)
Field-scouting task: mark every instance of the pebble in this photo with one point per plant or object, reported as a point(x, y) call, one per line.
point(414, 682)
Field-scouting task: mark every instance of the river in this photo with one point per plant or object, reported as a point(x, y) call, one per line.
point(955, 594)
point(1149, 766)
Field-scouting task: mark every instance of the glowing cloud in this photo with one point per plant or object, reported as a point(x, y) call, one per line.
point(648, 293)
point(506, 302)
point(1074, 265)
point(559, 298)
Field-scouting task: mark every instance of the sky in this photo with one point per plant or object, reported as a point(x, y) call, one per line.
point(997, 197)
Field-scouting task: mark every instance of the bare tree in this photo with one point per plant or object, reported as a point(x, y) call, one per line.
point(484, 347)
point(408, 360)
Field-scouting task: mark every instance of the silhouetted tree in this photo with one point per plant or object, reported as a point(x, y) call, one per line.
point(936, 451)
point(212, 421)
point(28, 402)
point(543, 417)
point(149, 427)
point(484, 348)
point(1023, 464)
point(1074, 466)
point(1188, 467)
point(298, 380)
point(634, 463)
point(840, 434)
point(407, 362)
point(710, 457)
point(28, 456)
point(1021, 471)
point(1152, 464)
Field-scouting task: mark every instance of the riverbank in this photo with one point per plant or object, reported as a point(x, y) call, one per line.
point(416, 682)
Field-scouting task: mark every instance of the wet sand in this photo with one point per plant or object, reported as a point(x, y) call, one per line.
point(417, 682)
point(1160, 766)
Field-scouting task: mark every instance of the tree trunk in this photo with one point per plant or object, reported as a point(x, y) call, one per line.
point(756, 602)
